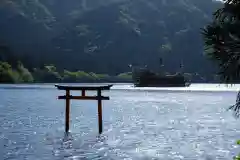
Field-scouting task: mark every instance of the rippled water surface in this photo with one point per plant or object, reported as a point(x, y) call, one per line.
point(166, 124)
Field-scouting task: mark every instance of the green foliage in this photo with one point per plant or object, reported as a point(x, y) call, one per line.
point(238, 156)
point(7, 74)
point(47, 74)
point(94, 76)
point(24, 74)
point(18, 75)
point(102, 76)
point(79, 76)
point(82, 74)
point(5, 66)
point(127, 76)
point(238, 142)
point(222, 40)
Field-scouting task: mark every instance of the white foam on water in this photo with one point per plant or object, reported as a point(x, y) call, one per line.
point(191, 88)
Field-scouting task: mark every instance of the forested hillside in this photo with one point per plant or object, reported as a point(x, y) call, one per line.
point(105, 36)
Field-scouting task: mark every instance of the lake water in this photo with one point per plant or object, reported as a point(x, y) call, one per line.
point(139, 123)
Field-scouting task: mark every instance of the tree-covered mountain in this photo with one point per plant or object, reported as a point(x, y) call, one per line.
point(105, 36)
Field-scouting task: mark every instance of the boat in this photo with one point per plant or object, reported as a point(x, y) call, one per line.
point(146, 78)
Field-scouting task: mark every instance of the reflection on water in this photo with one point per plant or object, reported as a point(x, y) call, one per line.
point(137, 125)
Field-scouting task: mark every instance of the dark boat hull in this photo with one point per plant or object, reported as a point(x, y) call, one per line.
point(163, 85)
point(146, 78)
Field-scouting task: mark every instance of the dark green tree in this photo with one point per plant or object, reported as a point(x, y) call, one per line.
point(7, 74)
point(47, 74)
point(24, 73)
point(222, 42)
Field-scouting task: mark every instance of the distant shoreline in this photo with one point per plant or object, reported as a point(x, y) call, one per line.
point(113, 82)
point(105, 82)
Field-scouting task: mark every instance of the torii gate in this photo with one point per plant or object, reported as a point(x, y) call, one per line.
point(69, 97)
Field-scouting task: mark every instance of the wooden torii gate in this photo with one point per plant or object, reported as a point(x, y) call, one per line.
point(69, 97)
